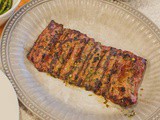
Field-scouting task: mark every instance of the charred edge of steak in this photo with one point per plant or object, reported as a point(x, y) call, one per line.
point(126, 98)
point(53, 31)
point(48, 55)
point(50, 27)
point(124, 102)
point(29, 56)
point(43, 32)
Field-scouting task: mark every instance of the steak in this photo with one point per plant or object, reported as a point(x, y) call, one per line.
point(45, 42)
point(79, 60)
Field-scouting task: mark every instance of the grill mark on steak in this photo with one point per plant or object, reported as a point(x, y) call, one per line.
point(129, 79)
point(52, 58)
point(103, 87)
point(48, 59)
point(72, 64)
point(87, 66)
point(118, 91)
point(107, 72)
point(61, 55)
point(78, 42)
point(65, 61)
point(38, 45)
point(89, 81)
point(80, 61)
point(101, 90)
point(42, 47)
point(116, 74)
point(49, 29)
point(95, 82)
point(92, 66)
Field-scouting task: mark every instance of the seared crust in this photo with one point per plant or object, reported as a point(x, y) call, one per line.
point(95, 83)
point(72, 75)
point(63, 52)
point(44, 43)
point(79, 43)
point(52, 55)
point(125, 79)
point(89, 65)
point(77, 59)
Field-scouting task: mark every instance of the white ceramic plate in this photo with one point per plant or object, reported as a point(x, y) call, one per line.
point(9, 109)
point(109, 22)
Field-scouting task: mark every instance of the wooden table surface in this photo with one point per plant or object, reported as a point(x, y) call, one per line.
point(21, 4)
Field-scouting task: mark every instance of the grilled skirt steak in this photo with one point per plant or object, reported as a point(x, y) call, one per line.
point(77, 59)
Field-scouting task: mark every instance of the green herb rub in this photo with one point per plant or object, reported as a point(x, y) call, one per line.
point(5, 5)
